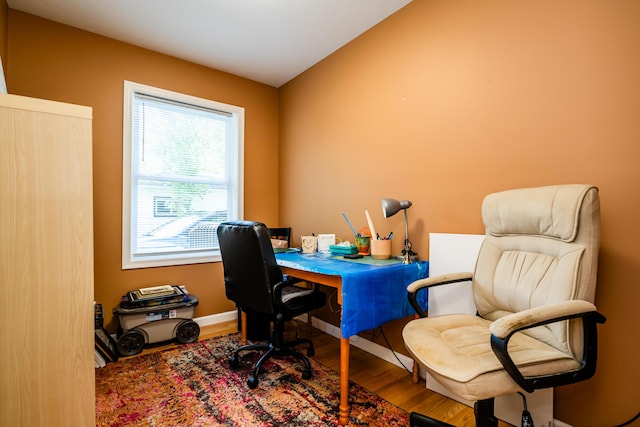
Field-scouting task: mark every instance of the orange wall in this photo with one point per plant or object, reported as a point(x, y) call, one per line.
point(447, 101)
point(57, 62)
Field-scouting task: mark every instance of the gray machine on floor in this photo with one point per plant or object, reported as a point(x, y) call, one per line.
point(155, 320)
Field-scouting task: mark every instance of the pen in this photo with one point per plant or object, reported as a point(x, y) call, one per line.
point(349, 222)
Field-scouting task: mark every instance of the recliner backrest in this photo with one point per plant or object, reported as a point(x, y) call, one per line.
point(541, 247)
point(250, 267)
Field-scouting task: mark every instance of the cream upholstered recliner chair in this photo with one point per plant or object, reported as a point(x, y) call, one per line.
point(534, 286)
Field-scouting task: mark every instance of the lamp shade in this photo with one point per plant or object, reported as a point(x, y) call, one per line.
point(391, 207)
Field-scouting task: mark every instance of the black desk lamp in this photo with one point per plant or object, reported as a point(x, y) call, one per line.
point(389, 208)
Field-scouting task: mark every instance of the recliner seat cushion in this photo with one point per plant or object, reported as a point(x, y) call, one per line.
point(457, 350)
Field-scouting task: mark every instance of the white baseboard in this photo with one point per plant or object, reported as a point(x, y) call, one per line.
point(212, 319)
point(370, 347)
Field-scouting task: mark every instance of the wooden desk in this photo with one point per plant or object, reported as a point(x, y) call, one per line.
point(357, 278)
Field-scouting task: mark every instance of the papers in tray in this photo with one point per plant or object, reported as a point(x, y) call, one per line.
point(157, 295)
point(155, 291)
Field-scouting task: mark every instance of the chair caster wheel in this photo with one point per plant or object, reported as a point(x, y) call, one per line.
point(306, 375)
point(233, 361)
point(252, 382)
point(311, 352)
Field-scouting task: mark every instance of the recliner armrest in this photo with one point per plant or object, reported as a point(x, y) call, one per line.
point(443, 279)
point(504, 328)
point(420, 284)
point(511, 323)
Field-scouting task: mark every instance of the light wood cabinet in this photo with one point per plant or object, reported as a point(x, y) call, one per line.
point(46, 264)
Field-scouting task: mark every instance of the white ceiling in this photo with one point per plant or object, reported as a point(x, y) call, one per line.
point(270, 41)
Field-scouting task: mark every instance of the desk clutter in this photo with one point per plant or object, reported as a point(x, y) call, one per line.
point(153, 315)
point(345, 248)
point(368, 242)
point(320, 243)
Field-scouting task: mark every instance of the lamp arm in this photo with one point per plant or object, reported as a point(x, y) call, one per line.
point(407, 252)
point(406, 226)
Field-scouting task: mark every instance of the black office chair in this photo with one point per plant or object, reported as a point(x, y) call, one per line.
point(254, 281)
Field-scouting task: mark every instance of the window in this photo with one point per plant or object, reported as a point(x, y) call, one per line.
point(182, 176)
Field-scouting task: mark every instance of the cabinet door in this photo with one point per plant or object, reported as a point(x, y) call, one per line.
point(46, 264)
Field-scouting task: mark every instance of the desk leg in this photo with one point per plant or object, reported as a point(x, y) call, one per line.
point(344, 381)
point(243, 327)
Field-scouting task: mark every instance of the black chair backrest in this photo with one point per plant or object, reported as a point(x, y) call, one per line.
point(250, 268)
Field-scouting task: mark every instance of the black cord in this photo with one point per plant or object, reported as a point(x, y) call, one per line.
point(331, 308)
point(392, 351)
point(527, 420)
point(630, 421)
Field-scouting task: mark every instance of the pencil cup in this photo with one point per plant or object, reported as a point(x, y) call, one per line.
point(381, 249)
point(362, 243)
point(309, 244)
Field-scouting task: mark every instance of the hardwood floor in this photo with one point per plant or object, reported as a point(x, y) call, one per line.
point(385, 379)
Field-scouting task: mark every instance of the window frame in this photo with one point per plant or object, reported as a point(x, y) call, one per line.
point(235, 205)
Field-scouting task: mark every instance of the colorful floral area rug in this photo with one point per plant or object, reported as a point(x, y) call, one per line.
point(193, 385)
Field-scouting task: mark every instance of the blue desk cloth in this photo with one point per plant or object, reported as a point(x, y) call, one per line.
point(371, 294)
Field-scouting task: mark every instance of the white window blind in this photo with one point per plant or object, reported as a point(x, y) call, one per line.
point(182, 164)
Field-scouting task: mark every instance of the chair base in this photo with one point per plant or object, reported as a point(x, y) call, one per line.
point(277, 347)
point(419, 420)
point(483, 410)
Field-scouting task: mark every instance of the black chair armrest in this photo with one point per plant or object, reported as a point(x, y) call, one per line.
point(422, 284)
point(288, 281)
point(501, 334)
point(279, 288)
